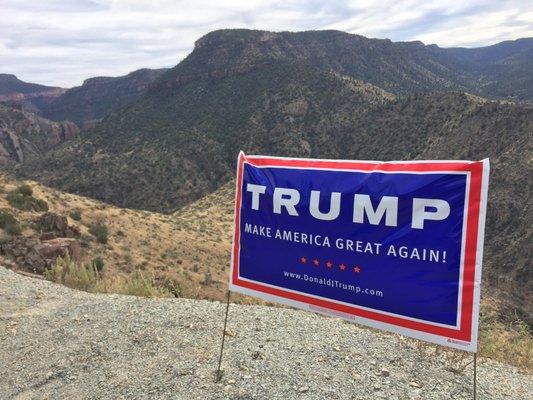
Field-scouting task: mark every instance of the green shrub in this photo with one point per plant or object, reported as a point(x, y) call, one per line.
point(75, 214)
point(9, 223)
point(22, 198)
point(100, 231)
point(25, 190)
point(141, 285)
point(71, 274)
point(98, 263)
point(173, 287)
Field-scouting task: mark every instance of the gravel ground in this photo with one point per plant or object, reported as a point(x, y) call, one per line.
point(58, 343)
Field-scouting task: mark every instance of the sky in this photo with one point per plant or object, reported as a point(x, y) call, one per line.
point(63, 42)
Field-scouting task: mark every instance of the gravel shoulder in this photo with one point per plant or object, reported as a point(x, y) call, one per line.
point(60, 343)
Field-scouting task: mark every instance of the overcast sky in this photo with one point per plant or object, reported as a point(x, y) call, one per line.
point(63, 42)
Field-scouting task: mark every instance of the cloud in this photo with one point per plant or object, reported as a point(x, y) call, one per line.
point(64, 42)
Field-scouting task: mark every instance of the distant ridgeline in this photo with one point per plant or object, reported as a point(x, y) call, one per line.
point(84, 104)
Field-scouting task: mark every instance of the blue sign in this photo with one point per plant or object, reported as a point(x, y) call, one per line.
point(396, 246)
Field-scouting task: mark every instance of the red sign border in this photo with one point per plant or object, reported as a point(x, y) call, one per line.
point(476, 170)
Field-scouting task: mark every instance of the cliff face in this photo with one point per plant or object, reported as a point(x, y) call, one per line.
point(26, 96)
point(23, 133)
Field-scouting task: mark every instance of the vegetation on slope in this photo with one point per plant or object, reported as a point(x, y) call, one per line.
point(179, 144)
point(97, 97)
point(145, 253)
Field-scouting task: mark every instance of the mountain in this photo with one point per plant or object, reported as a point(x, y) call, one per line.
point(400, 68)
point(11, 85)
point(502, 70)
point(308, 95)
point(23, 133)
point(282, 93)
point(99, 96)
point(84, 104)
point(27, 96)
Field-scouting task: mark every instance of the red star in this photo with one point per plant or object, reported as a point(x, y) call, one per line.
point(329, 264)
point(356, 269)
point(303, 259)
point(342, 267)
point(316, 263)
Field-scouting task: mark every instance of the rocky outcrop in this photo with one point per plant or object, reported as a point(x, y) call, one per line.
point(53, 238)
point(43, 255)
point(19, 97)
point(26, 96)
point(53, 226)
point(23, 133)
point(33, 255)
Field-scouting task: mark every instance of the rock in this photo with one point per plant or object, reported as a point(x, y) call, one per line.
point(229, 333)
point(53, 222)
point(54, 225)
point(231, 381)
point(385, 372)
point(415, 385)
point(48, 236)
point(303, 389)
point(25, 133)
point(44, 254)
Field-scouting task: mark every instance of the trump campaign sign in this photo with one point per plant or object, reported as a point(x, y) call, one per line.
point(392, 245)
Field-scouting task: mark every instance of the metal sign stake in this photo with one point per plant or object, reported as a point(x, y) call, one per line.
point(475, 374)
point(219, 372)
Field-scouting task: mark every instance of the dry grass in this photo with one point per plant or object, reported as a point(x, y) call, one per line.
point(77, 276)
point(176, 251)
point(504, 336)
point(86, 277)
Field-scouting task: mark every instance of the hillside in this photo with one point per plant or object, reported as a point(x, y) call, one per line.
point(185, 255)
point(175, 167)
point(500, 70)
point(11, 85)
point(23, 133)
point(61, 343)
point(98, 96)
point(276, 93)
point(175, 145)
